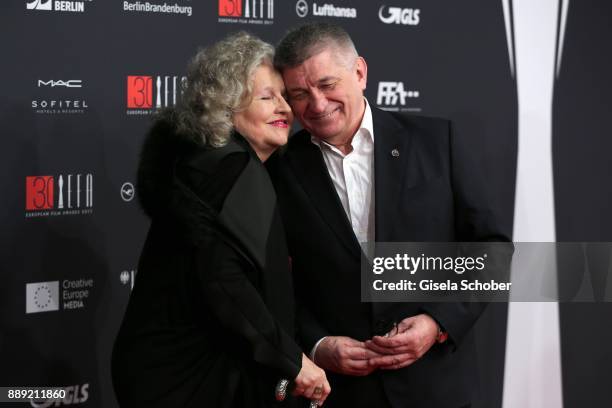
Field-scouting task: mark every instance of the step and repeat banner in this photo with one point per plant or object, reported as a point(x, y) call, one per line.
point(81, 80)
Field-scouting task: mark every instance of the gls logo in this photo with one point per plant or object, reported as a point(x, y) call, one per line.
point(71, 83)
point(39, 5)
point(75, 394)
point(390, 93)
point(399, 15)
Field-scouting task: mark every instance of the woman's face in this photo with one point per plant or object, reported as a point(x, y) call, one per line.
point(266, 121)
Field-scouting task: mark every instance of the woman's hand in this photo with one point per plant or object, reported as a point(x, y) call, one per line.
point(311, 382)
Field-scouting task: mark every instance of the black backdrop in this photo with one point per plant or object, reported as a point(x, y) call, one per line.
point(78, 90)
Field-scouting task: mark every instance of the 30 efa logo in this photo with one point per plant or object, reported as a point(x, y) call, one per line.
point(70, 194)
point(145, 92)
point(246, 11)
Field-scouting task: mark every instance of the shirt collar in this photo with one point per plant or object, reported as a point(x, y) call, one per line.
point(366, 126)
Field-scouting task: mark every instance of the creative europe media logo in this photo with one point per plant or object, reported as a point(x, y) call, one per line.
point(55, 295)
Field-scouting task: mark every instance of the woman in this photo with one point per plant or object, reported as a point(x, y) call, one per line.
point(210, 320)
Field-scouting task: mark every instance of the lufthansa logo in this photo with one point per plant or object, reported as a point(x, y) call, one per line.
point(301, 8)
point(127, 192)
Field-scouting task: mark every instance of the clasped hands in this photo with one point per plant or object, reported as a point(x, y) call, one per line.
point(402, 346)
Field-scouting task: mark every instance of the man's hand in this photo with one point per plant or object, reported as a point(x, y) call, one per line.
point(405, 344)
point(345, 355)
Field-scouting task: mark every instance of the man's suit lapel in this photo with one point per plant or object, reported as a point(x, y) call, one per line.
point(395, 165)
point(310, 169)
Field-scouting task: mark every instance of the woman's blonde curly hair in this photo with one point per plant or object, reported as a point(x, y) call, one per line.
point(218, 84)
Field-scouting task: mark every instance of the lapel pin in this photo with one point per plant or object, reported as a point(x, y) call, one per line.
point(395, 153)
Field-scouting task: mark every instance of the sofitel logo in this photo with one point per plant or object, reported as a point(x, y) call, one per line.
point(52, 103)
point(70, 194)
point(392, 96)
point(398, 15)
point(57, 5)
point(246, 11)
point(146, 93)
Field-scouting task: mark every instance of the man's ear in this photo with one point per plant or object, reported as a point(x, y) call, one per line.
point(361, 70)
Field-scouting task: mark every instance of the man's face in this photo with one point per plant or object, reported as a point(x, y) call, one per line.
point(326, 94)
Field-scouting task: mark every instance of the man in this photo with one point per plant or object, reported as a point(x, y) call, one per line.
point(357, 174)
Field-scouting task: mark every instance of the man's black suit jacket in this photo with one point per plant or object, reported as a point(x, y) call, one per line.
point(427, 193)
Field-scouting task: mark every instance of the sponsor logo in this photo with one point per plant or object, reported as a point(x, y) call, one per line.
point(64, 194)
point(57, 5)
point(52, 103)
point(71, 83)
point(127, 191)
point(160, 8)
point(75, 394)
point(325, 10)
point(127, 278)
point(392, 96)
point(48, 296)
point(42, 297)
point(301, 8)
point(246, 11)
point(146, 93)
point(398, 15)
point(40, 5)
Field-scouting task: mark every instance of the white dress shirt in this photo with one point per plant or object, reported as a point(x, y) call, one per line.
point(353, 178)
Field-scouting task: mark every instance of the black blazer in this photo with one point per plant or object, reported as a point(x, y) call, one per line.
point(210, 321)
point(424, 194)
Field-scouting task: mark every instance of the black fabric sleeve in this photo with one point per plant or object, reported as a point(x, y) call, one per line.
point(228, 281)
point(476, 221)
point(310, 330)
point(239, 307)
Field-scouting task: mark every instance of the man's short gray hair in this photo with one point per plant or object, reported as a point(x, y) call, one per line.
point(218, 84)
point(310, 39)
